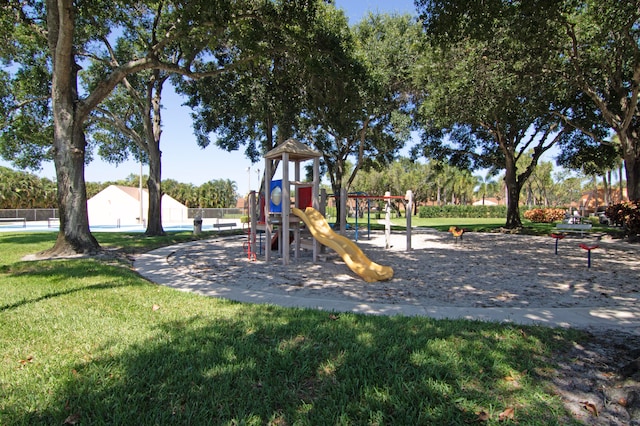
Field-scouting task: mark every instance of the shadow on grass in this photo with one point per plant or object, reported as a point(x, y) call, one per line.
point(129, 242)
point(51, 295)
point(267, 365)
point(28, 237)
point(60, 277)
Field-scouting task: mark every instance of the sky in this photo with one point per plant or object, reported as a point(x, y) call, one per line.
point(182, 159)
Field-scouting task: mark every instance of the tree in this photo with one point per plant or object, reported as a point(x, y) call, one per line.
point(462, 184)
point(591, 158)
point(218, 193)
point(397, 178)
point(486, 185)
point(316, 89)
point(590, 46)
point(206, 32)
point(485, 107)
point(67, 32)
point(359, 100)
point(135, 124)
point(26, 127)
point(258, 105)
point(21, 190)
point(129, 121)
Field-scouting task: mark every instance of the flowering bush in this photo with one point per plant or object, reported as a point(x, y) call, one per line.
point(544, 215)
point(627, 215)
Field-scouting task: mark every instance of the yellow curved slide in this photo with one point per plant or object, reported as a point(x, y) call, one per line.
point(355, 259)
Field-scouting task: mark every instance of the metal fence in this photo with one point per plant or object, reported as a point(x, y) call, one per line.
point(231, 213)
point(30, 215)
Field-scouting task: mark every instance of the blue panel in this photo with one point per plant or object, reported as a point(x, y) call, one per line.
point(275, 204)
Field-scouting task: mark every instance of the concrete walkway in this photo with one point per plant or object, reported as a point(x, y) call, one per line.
point(155, 267)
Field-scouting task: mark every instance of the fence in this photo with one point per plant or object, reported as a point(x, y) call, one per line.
point(230, 213)
point(30, 215)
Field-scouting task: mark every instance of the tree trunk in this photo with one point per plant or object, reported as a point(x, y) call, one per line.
point(336, 194)
point(620, 182)
point(513, 198)
point(69, 141)
point(154, 184)
point(74, 236)
point(335, 170)
point(595, 195)
point(632, 168)
point(608, 183)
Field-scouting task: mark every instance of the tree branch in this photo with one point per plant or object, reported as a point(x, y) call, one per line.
point(112, 120)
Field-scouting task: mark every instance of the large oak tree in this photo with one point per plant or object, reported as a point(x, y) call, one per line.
point(73, 31)
point(483, 108)
point(590, 47)
point(359, 98)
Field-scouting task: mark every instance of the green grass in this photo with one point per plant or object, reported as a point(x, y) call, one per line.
point(89, 341)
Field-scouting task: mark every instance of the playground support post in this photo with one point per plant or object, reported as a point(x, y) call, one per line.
point(267, 197)
point(387, 220)
point(407, 212)
point(253, 217)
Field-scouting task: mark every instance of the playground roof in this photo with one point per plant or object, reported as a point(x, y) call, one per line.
point(297, 151)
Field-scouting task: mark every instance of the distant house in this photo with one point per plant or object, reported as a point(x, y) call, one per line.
point(487, 202)
point(120, 205)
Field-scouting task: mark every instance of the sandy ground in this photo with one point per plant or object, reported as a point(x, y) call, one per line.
point(481, 270)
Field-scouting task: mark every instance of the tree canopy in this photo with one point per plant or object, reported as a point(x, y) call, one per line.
point(63, 35)
point(359, 106)
point(487, 105)
point(590, 48)
point(488, 84)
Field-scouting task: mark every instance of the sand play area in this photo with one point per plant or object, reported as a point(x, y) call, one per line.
point(482, 270)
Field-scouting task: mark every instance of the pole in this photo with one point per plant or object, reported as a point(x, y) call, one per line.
point(140, 190)
point(357, 211)
point(387, 221)
point(408, 211)
point(249, 172)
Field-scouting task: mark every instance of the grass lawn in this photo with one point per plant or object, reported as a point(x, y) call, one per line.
point(85, 341)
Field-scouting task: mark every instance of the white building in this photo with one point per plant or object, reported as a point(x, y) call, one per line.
point(121, 206)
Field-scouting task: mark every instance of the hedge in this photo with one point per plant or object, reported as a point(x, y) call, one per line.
point(454, 210)
point(544, 215)
point(627, 215)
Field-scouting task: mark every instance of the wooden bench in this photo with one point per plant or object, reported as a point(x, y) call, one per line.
point(53, 221)
point(574, 227)
point(15, 220)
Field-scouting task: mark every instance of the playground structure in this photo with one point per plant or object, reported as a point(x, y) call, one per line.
point(271, 215)
point(387, 220)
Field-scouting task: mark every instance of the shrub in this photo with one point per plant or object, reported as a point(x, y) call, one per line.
point(544, 215)
point(464, 211)
point(627, 215)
